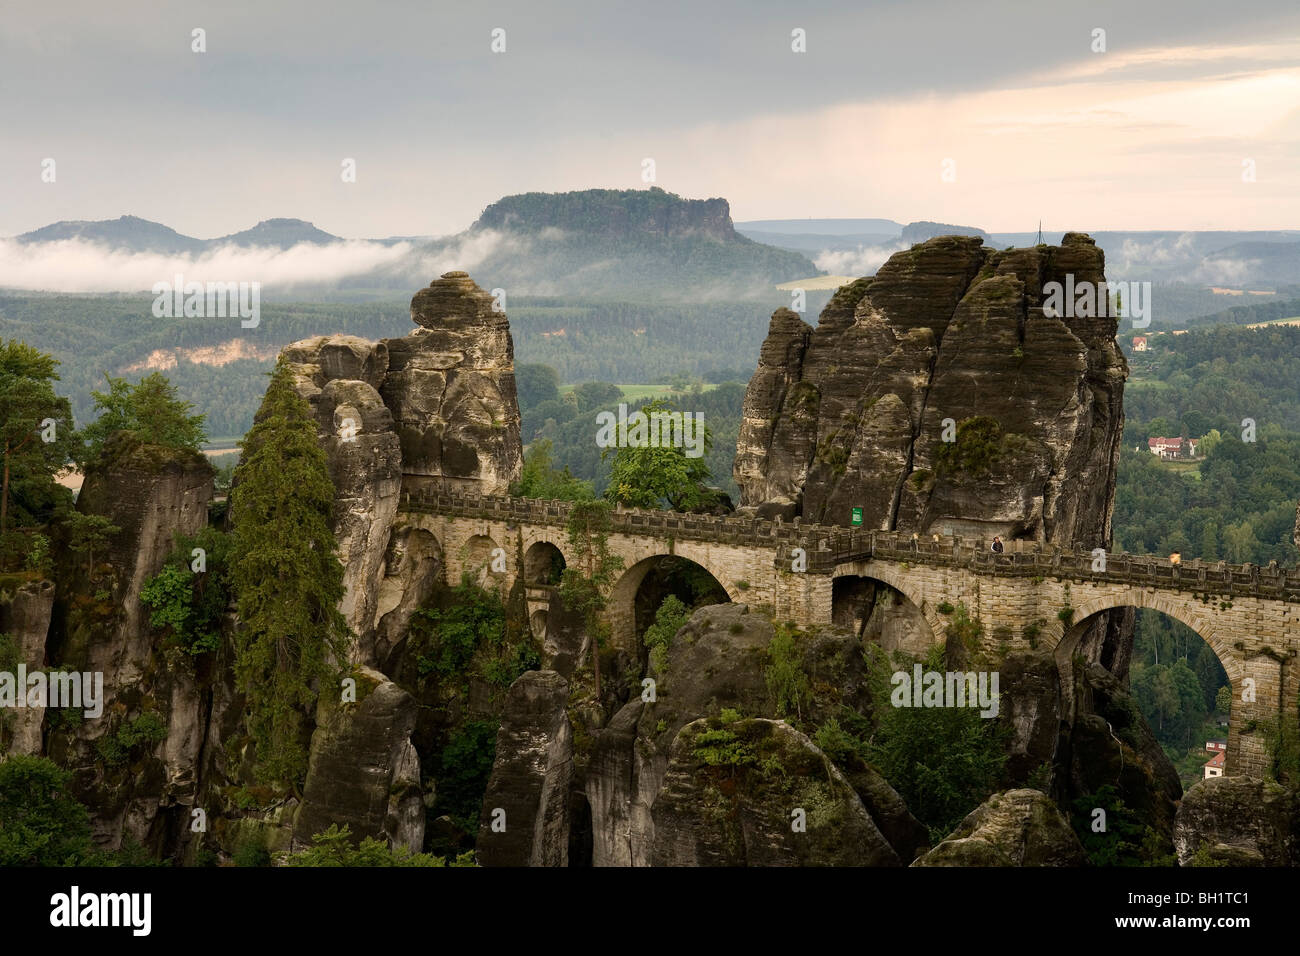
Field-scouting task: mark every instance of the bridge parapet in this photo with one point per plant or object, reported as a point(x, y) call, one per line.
point(827, 547)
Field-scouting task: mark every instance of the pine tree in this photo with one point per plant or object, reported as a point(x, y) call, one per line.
point(35, 434)
point(287, 578)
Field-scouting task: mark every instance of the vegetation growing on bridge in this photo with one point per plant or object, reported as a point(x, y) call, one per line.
point(591, 573)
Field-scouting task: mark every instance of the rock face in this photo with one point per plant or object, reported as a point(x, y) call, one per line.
point(338, 377)
point(1110, 743)
point(853, 412)
point(757, 792)
point(716, 661)
point(435, 410)
point(1014, 828)
point(1238, 821)
point(530, 777)
point(151, 494)
point(451, 388)
point(25, 618)
point(364, 772)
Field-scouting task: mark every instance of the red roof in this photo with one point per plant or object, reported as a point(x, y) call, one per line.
point(1170, 444)
point(1216, 760)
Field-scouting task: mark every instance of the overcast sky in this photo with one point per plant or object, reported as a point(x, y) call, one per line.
point(1151, 134)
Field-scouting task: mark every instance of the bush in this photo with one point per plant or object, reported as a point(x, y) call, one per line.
point(147, 729)
point(669, 619)
point(447, 638)
point(251, 853)
point(39, 557)
point(943, 761)
point(785, 677)
point(188, 604)
point(333, 847)
point(40, 823)
point(466, 765)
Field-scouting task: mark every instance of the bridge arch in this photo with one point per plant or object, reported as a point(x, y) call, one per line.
point(1205, 628)
point(628, 620)
point(898, 580)
point(543, 564)
point(880, 614)
point(1215, 637)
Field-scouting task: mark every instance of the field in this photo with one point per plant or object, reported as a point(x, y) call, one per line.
point(1291, 320)
point(632, 393)
point(817, 282)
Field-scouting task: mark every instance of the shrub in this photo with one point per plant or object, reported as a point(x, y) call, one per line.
point(334, 847)
point(943, 761)
point(786, 681)
point(40, 823)
point(146, 730)
point(669, 619)
point(447, 638)
point(465, 766)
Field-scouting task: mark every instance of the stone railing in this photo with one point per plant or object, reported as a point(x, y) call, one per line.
point(730, 529)
point(828, 547)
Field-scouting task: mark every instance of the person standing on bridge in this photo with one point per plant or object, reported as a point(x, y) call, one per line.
point(996, 547)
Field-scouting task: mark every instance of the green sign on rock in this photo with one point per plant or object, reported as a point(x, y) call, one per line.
point(857, 517)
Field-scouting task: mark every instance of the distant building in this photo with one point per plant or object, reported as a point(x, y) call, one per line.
point(1216, 745)
point(1172, 447)
point(1215, 767)
point(1139, 343)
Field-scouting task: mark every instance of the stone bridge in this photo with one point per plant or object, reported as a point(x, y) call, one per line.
point(1031, 596)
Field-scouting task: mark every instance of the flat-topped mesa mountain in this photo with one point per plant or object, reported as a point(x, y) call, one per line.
point(612, 214)
point(645, 244)
point(938, 396)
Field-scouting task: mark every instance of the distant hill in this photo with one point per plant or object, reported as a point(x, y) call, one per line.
point(133, 234)
point(128, 233)
point(915, 232)
point(279, 233)
point(825, 227)
point(644, 245)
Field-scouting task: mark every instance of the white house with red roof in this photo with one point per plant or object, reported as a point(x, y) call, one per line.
point(1172, 447)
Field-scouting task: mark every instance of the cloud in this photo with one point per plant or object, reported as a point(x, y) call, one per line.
point(77, 265)
point(862, 261)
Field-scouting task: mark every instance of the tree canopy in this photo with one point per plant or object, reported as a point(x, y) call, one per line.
point(149, 411)
point(36, 435)
point(287, 578)
point(647, 476)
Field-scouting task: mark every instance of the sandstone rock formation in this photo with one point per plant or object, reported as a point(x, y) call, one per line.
point(435, 410)
point(718, 660)
point(757, 792)
point(364, 772)
point(852, 413)
point(530, 777)
point(1014, 828)
point(1238, 821)
point(151, 494)
point(25, 618)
